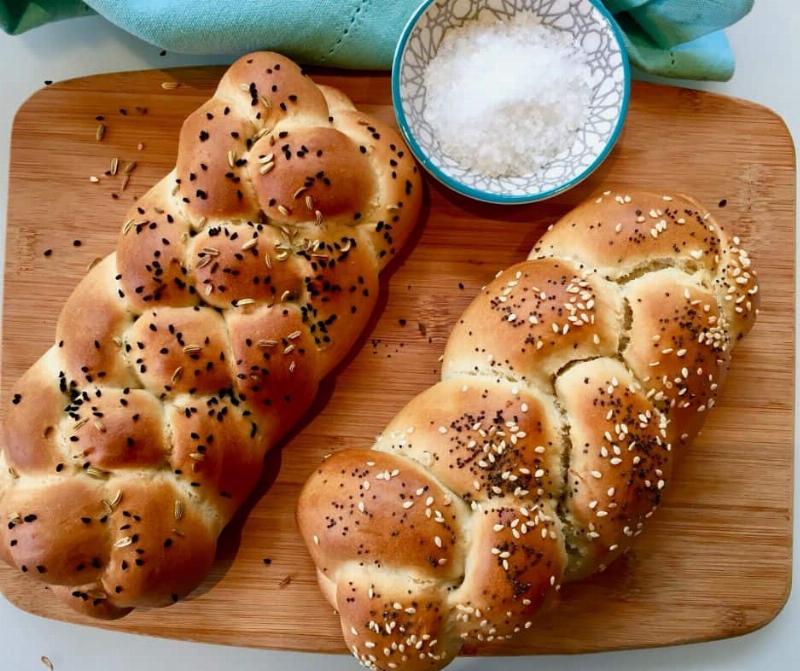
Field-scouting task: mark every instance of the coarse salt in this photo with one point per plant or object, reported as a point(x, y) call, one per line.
point(507, 96)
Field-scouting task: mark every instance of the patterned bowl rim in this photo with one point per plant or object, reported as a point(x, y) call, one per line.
point(489, 196)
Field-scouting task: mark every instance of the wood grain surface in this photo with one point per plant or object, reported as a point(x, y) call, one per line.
point(715, 562)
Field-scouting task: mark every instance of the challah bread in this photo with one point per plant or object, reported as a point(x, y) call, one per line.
point(239, 281)
point(568, 387)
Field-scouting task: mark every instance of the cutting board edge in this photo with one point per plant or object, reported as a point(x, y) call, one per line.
point(744, 630)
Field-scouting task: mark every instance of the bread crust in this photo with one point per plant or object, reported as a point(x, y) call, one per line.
point(238, 282)
point(569, 387)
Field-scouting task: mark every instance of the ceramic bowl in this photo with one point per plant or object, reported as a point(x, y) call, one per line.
point(591, 26)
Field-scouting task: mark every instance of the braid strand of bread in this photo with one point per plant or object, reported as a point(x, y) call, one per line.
point(239, 281)
point(568, 387)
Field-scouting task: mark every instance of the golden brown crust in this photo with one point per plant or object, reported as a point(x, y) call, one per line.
point(398, 182)
point(29, 430)
point(239, 281)
point(532, 319)
point(179, 350)
point(315, 169)
point(679, 347)
point(57, 536)
point(517, 560)
point(275, 375)
point(386, 507)
point(115, 429)
point(568, 387)
point(621, 234)
point(387, 628)
point(151, 255)
point(90, 327)
point(482, 438)
point(620, 459)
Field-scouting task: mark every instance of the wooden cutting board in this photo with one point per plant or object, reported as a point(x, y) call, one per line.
point(717, 559)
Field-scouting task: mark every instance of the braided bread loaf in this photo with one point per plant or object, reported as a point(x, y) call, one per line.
point(239, 281)
point(568, 387)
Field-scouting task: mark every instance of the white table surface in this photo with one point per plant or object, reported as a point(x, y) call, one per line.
point(768, 55)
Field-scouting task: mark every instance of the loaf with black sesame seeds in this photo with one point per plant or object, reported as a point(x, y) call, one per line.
point(568, 387)
point(239, 281)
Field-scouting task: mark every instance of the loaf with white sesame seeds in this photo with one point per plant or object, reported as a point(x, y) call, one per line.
point(239, 281)
point(568, 387)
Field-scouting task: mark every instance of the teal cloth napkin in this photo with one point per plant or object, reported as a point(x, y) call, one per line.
point(672, 38)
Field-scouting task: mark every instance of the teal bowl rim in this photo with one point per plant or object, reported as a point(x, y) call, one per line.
point(488, 196)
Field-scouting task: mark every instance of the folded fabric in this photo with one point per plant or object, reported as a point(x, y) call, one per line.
point(18, 16)
point(680, 38)
point(672, 38)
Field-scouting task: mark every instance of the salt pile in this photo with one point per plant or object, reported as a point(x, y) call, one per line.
point(506, 96)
